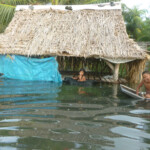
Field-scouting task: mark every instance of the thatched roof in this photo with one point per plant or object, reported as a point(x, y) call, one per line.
point(82, 33)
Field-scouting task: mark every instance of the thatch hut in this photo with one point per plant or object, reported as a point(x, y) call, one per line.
point(87, 31)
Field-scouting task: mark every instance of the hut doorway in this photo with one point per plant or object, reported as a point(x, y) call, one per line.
point(95, 68)
point(101, 70)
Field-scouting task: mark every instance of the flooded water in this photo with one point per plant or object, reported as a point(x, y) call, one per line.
point(48, 116)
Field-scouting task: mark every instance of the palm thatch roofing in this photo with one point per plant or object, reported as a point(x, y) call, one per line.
point(89, 32)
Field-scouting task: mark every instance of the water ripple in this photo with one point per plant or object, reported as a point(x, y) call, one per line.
point(44, 115)
point(125, 118)
point(131, 132)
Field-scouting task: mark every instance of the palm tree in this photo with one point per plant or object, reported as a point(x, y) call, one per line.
point(145, 33)
point(7, 9)
point(134, 21)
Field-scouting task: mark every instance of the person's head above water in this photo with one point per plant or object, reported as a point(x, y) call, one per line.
point(145, 72)
point(82, 72)
point(146, 76)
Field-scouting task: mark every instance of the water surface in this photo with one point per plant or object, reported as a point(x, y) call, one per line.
point(49, 116)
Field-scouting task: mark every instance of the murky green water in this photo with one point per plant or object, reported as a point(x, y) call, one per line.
point(48, 116)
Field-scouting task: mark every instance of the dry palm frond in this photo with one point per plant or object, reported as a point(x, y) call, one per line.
point(83, 33)
point(135, 70)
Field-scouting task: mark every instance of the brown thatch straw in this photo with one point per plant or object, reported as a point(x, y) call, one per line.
point(82, 33)
point(135, 69)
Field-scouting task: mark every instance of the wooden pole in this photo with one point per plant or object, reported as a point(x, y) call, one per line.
point(116, 72)
point(110, 66)
point(115, 90)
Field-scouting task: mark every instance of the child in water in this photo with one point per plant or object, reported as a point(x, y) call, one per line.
point(146, 82)
point(81, 77)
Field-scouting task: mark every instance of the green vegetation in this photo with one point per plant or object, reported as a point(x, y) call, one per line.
point(145, 33)
point(74, 2)
point(7, 9)
point(137, 24)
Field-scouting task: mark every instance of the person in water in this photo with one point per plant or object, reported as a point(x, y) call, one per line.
point(81, 77)
point(146, 82)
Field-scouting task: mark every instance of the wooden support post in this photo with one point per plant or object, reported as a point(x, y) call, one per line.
point(116, 72)
point(115, 90)
point(110, 66)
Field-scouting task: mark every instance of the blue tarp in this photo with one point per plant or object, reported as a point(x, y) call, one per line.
point(26, 68)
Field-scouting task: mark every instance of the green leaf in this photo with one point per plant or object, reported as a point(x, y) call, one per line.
point(22, 2)
point(16, 2)
point(6, 13)
point(71, 2)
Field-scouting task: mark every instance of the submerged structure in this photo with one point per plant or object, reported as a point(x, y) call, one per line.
point(85, 32)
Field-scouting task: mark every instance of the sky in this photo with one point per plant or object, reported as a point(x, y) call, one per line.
point(142, 4)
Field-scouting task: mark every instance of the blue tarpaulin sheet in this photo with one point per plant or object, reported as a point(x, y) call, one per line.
point(26, 68)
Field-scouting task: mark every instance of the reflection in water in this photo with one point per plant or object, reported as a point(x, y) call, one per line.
point(123, 143)
point(7, 148)
point(135, 120)
point(145, 104)
point(9, 139)
point(50, 116)
point(131, 132)
point(9, 128)
point(115, 90)
point(140, 111)
point(82, 91)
